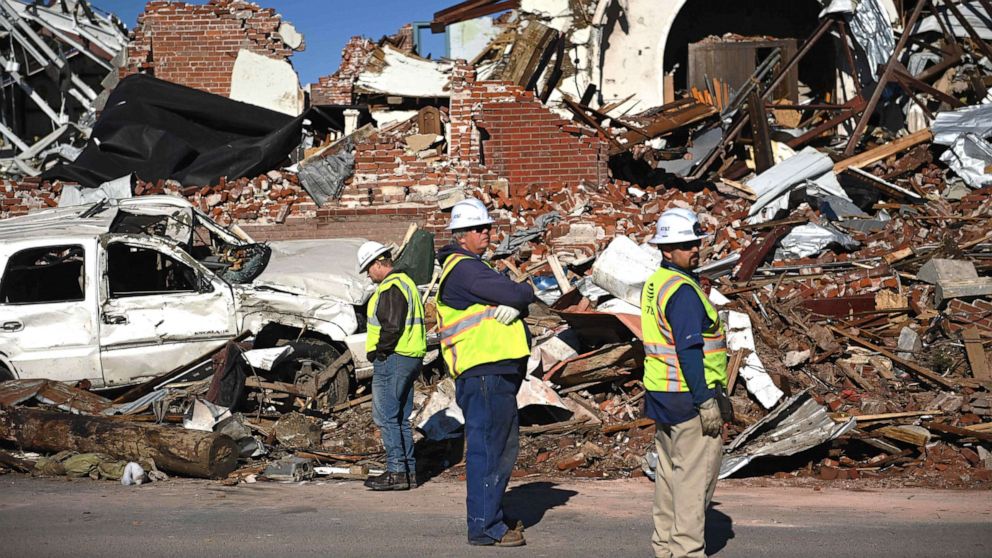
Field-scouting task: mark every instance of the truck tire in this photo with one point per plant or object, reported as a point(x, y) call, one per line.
point(5, 374)
point(311, 357)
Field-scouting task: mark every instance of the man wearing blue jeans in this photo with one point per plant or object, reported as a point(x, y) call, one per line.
point(485, 344)
point(396, 345)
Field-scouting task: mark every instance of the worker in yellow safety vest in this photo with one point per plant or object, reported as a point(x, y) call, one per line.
point(485, 346)
point(396, 345)
point(685, 370)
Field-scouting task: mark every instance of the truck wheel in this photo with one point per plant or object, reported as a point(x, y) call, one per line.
point(311, 357)
point(5, 374)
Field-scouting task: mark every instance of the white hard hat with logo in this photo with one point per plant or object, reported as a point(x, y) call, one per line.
point(677, 225)
point(469, 213)
point(370, 252)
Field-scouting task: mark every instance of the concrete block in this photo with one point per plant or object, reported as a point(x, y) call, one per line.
point(962, 289)
point(940, 270)
point(909, 342)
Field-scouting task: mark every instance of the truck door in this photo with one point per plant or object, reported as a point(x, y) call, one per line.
point(160, 310)
point(48, 309)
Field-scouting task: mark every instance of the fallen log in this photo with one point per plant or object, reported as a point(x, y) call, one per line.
point(185, 452)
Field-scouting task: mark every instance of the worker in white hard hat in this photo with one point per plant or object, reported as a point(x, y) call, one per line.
point(395, 345)
point(685, 371)
point(485, 346)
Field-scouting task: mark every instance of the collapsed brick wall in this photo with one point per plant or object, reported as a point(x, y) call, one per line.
point(338, 88)
point(520, 138)
point(197, 45)
point(26, 196)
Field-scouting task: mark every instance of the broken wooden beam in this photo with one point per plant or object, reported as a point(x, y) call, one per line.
point(975, 351)
point(958, 431)
point(757, 251)
point(667, 120)
point(638, 423)
point(904, 414)
point(176, 450)
point(15, 463)
point(760, 134)
point(883, 151)
point(912, 367)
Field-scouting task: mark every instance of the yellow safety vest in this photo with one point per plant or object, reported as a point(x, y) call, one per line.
point(472, 336)
point(662, 371)
point(413, 341)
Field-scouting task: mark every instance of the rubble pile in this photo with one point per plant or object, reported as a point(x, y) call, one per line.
point(850, 254)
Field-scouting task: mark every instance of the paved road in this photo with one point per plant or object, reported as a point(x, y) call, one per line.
point(186, 518)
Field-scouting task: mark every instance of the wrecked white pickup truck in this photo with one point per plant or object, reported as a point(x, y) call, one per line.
point(120, 291)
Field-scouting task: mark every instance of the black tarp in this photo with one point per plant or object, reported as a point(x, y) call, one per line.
point(160, 130)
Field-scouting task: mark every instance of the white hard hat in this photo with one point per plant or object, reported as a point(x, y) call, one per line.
point(677, 225)
point(368, 253)
point(469, 213)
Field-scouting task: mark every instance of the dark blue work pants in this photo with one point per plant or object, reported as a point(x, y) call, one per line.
point(489, 403)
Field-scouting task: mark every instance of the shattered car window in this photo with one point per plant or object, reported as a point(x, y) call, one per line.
point(136, 271)
point(44, 275)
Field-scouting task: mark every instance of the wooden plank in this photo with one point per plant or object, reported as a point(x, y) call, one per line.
point(912, 367)
point(733, 368)
point(904, 414)
point(745, 190)
point(976, 354)
point(527, 53)
point(759, 131)
point(352, 403)
point(559, 274)
point(605, 363)
point(665, 122)
point(883, 151)
point(293, 389)
point(903, 434)
point(639, 423)
point(958, 431)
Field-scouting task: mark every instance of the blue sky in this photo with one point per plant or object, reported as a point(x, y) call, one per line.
point(326, 24)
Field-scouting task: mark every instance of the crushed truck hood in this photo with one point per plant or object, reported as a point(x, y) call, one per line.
point(317, 268)
point(262, 305)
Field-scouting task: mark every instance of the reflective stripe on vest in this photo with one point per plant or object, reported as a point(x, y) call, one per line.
point(472, 336)
point(413, 339)
point(662, 370)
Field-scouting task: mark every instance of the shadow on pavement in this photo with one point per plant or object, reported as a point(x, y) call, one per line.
point(529, 502)
point(719, 529)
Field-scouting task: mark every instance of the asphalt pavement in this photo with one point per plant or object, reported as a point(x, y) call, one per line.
point(191, 518)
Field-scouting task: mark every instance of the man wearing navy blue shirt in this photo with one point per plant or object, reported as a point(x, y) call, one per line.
point(685, 363)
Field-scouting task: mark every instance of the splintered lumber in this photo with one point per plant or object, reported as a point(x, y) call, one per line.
point(670, 118)
point(638, 423)
point(975, 352)
point(603, 364)
point(763, 159)
point(904, 414)
point(881, 152)
point(914, 435)
point(912, 367)
point(960, 432)
point(186, 452)
point(19, 465)
point(557, 428)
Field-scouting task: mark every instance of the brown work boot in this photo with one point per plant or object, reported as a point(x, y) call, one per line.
point(513, 537)
point(389, 481)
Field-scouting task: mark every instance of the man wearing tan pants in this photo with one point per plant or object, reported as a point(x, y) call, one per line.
point(684, 367)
